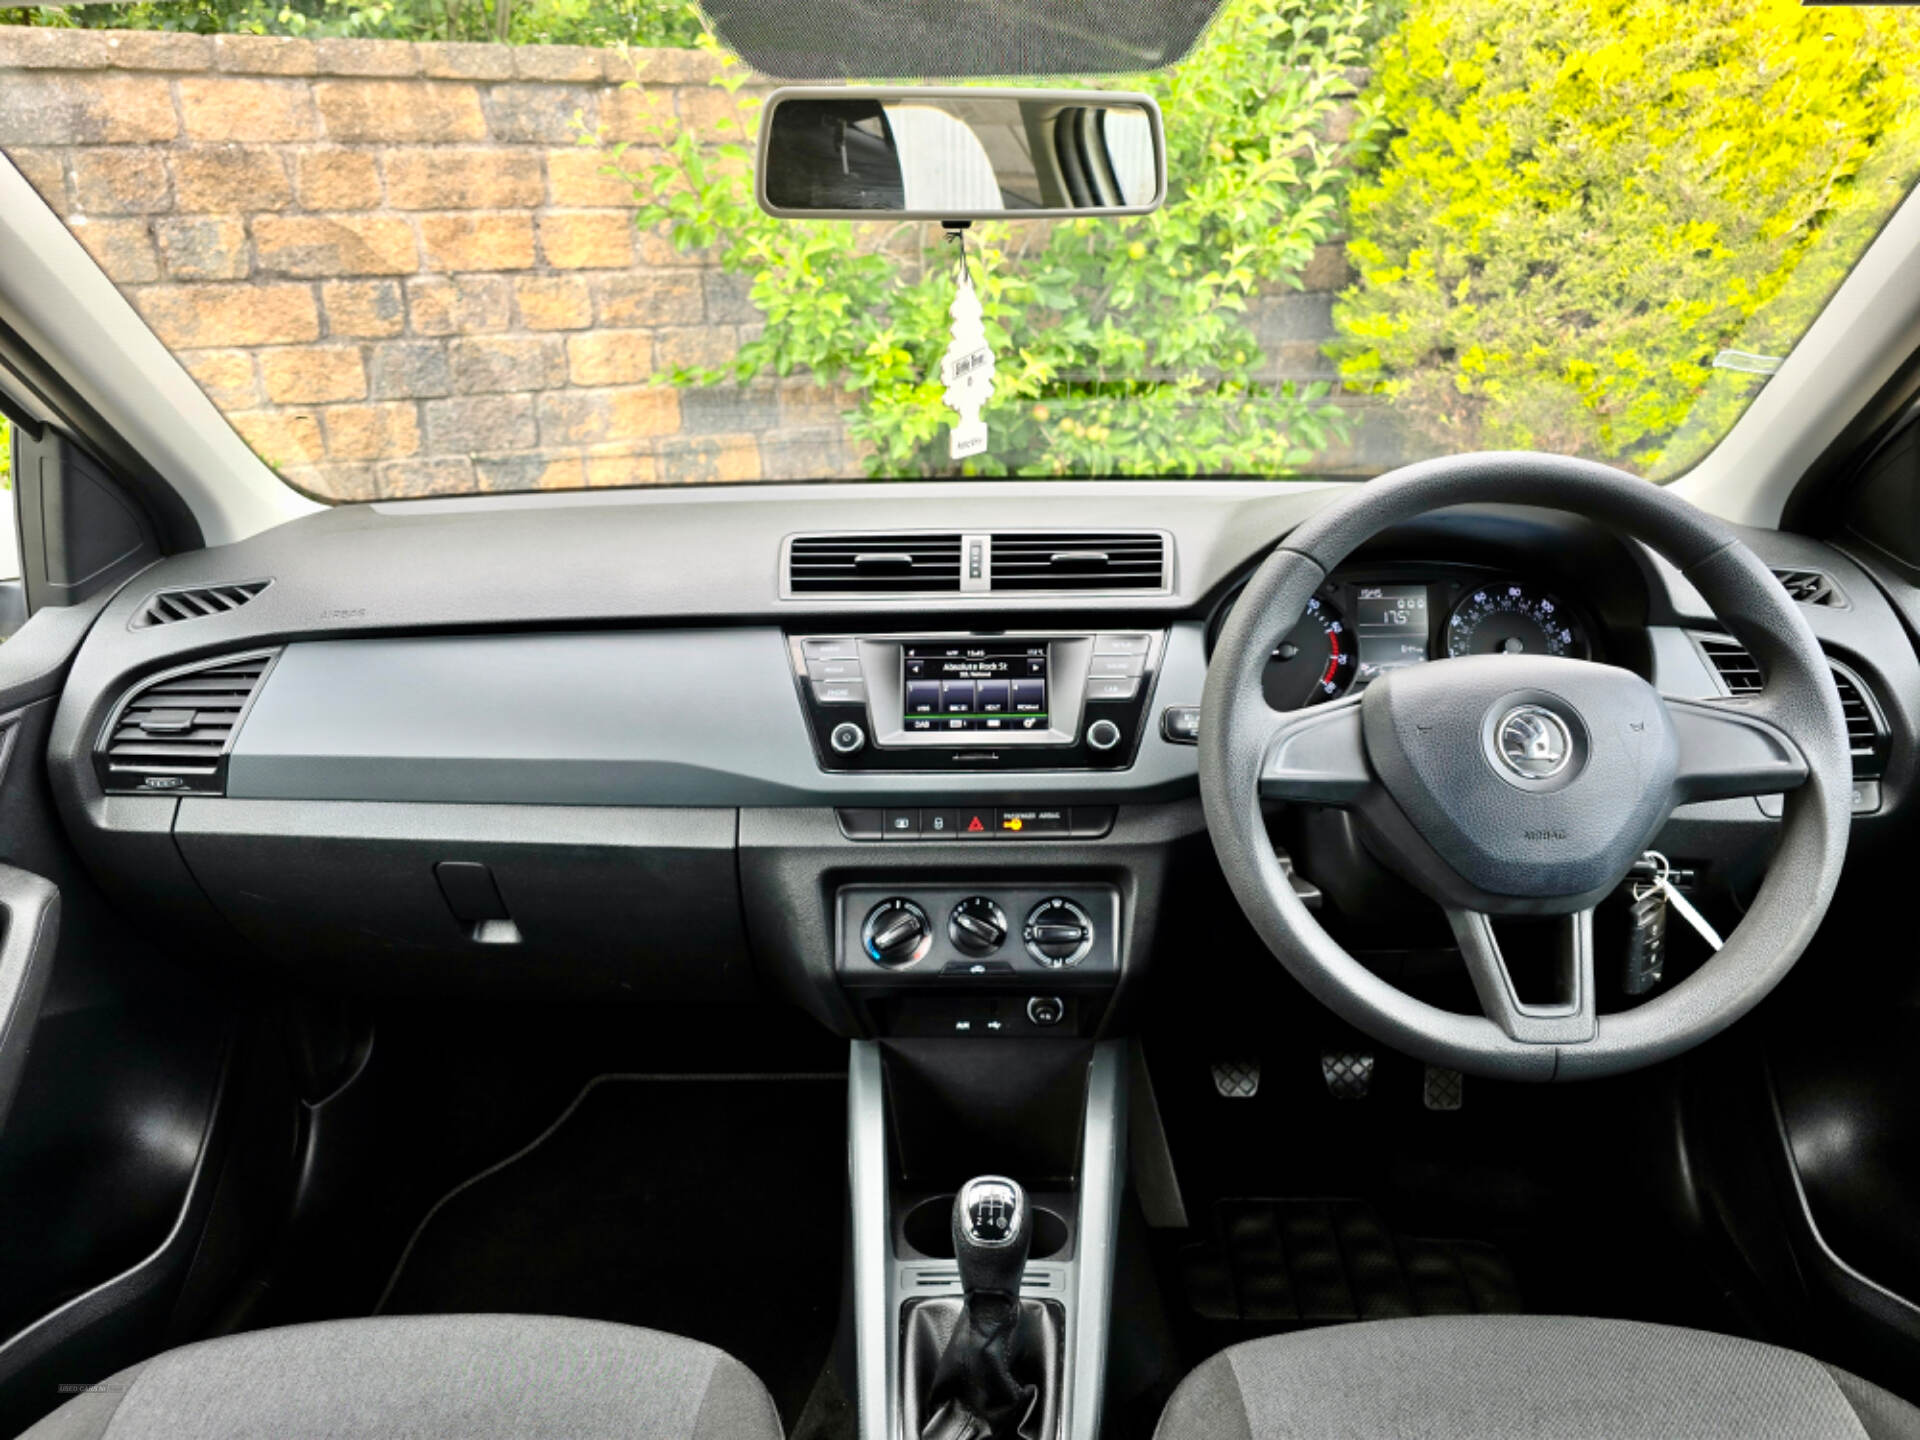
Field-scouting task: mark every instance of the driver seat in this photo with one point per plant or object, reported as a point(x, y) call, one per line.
point(1520, 1377)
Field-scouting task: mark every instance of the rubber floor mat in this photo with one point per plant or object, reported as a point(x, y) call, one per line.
point(1285, 1263)
point(710, 1207)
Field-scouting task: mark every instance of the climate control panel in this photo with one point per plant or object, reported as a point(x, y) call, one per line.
point(978, 935)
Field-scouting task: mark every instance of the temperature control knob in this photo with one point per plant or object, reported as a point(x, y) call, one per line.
point(978, 926)
point(1058, 933)
point(896, 933)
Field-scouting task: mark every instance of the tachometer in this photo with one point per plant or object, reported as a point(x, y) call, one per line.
point(1314, 662)
point(1513, 619)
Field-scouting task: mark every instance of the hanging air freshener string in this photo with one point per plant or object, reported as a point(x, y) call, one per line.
point(967, 368)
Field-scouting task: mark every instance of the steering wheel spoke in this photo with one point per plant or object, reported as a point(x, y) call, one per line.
point(1569, 1019)
point(1731, 748)
point(1317, 755)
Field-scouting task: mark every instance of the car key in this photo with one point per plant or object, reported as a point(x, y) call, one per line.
point(1662, 881)
point(1646, 940)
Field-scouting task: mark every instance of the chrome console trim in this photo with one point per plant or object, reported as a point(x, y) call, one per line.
point(875, 1388)
point(1103, 1149)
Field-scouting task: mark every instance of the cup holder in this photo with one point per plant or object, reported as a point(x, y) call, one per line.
point(929, 1230)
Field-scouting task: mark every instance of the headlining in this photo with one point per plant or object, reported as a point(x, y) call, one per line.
point(951, 39)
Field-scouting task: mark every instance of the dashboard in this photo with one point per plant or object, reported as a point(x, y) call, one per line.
point(918, 757)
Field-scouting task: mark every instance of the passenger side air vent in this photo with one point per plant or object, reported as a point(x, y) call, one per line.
point(873, 564)
point(1810, 587)
point(191, 602)
point(1866, 730)
point(173, 733)
point(1079, 560)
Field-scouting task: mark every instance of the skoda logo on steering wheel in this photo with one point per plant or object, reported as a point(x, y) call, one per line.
point(1533, 742)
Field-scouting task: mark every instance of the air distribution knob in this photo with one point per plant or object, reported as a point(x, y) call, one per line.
point(978, 927)
point(896, 932)
point(1058, 932)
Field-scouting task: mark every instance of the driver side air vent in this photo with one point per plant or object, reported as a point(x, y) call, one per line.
point(1810, 587)
point(191, 602)
point(1080, 560)
point(873, 564)
point(172, 734)
point(1866, 731)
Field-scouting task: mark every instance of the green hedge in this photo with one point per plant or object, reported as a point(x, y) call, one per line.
point(1578, 205)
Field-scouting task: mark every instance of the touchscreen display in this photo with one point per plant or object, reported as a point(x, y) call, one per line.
point(976, 685)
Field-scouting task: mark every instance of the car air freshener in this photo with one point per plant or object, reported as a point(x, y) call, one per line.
point(967, 367)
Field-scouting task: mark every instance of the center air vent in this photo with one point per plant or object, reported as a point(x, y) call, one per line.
point(873, 565)
point(173, 733)
point(1810, 587)
point(1866, 731)
point(1084, 560)
point(192, 602)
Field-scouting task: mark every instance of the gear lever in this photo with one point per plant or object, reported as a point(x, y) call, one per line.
point(991, 1235)
point(977, 1392)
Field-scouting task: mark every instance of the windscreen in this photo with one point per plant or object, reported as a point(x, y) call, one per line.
point(412, 248)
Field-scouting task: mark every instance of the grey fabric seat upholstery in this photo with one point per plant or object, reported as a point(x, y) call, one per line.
point(1512, 1377)
point(433, 1377)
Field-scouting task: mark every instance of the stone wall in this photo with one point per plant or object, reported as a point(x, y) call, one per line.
point(398, 271)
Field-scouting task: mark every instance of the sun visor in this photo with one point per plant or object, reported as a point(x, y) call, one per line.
point(951, 39)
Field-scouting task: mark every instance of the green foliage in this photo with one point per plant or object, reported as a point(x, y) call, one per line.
point(519, 22)
point(1580, 204)
point(1122, 346)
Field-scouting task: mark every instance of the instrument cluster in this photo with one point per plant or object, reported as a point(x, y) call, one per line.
point(1359, 626)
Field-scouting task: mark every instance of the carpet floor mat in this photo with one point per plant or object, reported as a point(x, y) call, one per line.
point(713, 1208)
point(1275, 1265)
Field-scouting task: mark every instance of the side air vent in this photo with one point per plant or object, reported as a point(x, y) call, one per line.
point(173, 733)
point(1810, 587)
point(1079, 560)
point(873, 564)
point(1866, 730)
point(163, 607)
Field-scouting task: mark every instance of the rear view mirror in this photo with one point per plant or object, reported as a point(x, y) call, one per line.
point(845, 153)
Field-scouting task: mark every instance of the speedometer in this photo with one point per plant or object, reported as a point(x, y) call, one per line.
point(1513, 619)
point(1313, 663)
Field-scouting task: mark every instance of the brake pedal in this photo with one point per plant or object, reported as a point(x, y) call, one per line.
point(1444, 1089)
point(1237, 1079)
point(1348, 1073)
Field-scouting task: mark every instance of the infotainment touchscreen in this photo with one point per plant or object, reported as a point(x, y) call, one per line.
point(976, 685)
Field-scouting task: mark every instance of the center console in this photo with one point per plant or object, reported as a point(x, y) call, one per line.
point(923, 1119)
point(983, 701)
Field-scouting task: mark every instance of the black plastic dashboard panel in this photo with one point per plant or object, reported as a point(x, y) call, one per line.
point(598, 899)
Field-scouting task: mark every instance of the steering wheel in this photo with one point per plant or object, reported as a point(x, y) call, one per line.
point(1505, 785)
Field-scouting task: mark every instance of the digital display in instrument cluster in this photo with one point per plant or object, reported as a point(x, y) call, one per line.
point(997, 685)
point(1389, 628)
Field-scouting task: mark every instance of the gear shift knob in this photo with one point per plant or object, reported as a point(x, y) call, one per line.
point(991, 1235)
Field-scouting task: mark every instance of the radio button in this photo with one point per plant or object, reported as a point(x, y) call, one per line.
point(1110, 688)
point(844, 648)
point(818, 669)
